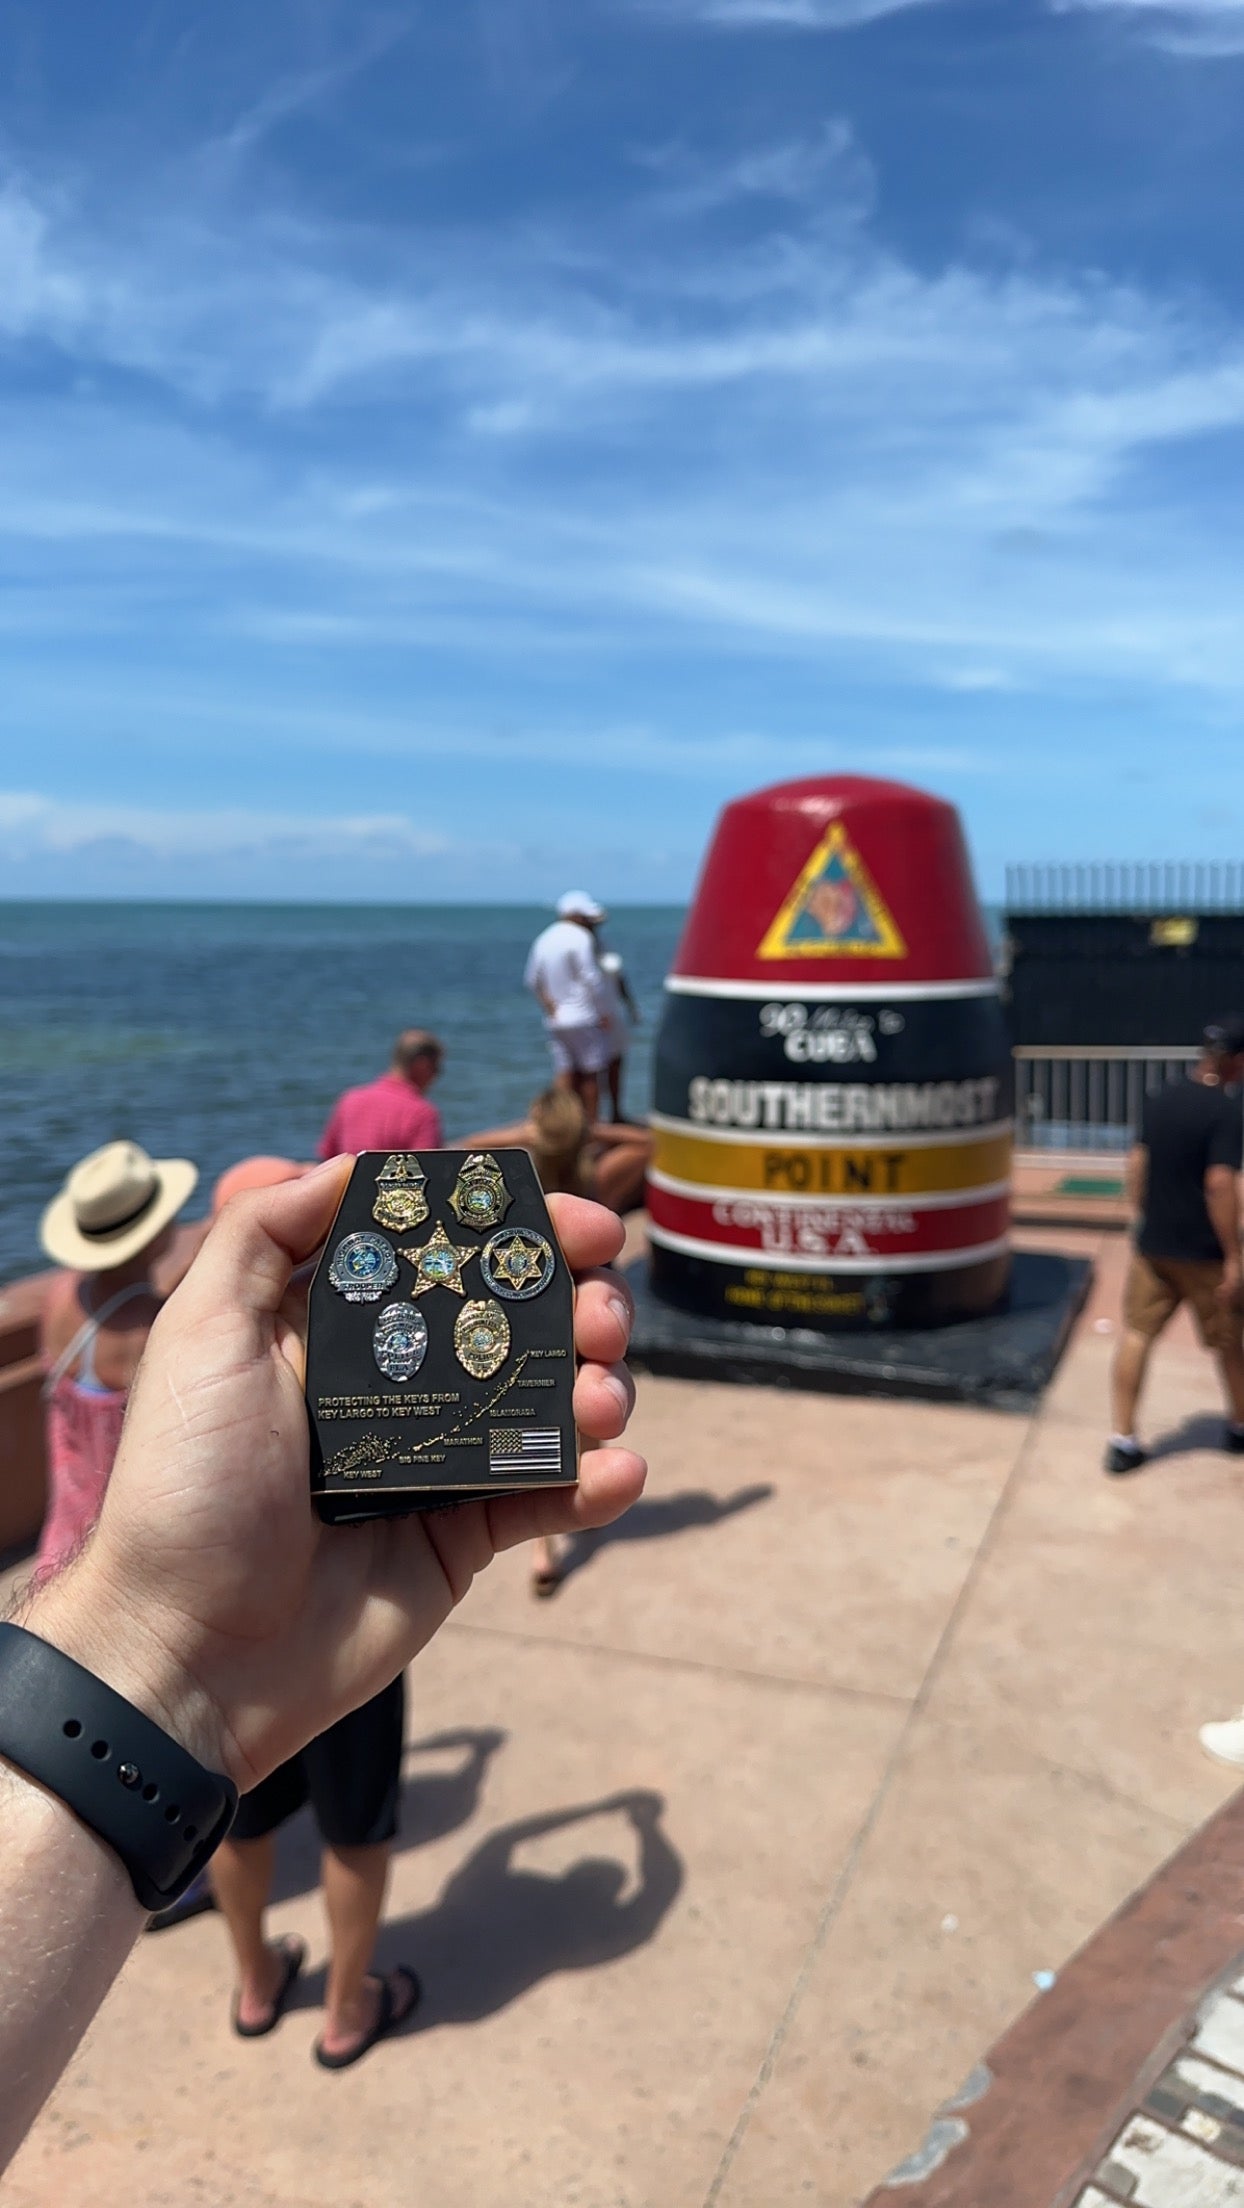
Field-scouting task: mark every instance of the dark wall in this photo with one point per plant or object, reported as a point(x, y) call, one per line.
point(1111, 978)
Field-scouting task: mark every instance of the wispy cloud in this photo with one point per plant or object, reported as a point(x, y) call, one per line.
point(516, 508)
point(1207, 29)
point(303, 90)
point(827, 172)
point(798, 440)
point(789, 15)
point(31, 823)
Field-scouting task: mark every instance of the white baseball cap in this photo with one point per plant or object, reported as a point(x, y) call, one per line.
point(577, 905)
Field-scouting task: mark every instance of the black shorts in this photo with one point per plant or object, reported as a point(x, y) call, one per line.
point(351, 1775)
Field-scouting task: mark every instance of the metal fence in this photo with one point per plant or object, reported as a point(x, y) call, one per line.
point(1180, 885)
point(1081, 1098)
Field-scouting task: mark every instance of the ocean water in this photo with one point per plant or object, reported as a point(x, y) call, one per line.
point(216, 1031)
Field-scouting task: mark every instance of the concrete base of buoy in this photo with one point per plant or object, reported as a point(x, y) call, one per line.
point(1003, 1359)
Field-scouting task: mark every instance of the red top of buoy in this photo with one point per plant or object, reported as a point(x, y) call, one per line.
point(838, 879)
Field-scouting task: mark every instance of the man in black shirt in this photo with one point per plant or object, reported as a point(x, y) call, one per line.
point(1183, 1179)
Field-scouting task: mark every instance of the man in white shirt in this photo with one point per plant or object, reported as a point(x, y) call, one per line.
point(563, 971)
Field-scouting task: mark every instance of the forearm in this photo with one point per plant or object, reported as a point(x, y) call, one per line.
point(68, 1912)
point(68, 1919)
point(1135, 1177)
point(518, 1137)
point(1223, 1205)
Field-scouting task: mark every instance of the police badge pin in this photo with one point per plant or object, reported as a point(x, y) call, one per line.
point(400, 1200)
point(481, 1198)
point(438, 1263)
point(362, 1267)
point(482, 1339)
point(400, 1341)
point(518, 1263)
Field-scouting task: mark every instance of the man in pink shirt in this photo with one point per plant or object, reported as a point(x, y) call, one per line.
point(392, 1113)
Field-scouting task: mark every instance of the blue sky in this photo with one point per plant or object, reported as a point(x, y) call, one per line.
point(447, 450)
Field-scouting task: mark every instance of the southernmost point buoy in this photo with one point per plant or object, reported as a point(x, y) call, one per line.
point(833, 1085)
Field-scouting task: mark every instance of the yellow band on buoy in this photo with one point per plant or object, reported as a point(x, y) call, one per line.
point(841, 1169)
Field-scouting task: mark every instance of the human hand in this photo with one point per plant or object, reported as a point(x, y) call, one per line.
point(210, 1594)
point(644, 1806)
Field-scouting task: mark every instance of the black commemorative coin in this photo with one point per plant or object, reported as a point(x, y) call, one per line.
point(440, 1354)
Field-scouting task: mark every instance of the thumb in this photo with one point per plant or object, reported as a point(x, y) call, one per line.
point(246, 1261)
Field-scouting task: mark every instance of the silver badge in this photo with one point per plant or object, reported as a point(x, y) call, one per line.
point(400, 1341)
point(517, 1264)
point(362, 1267)
point(482, 1339)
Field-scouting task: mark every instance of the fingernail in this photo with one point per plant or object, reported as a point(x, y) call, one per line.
point(328, 1165)
point(618, 1390)
point(622, 1313)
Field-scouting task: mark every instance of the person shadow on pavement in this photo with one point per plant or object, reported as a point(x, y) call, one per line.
point(499, 1928)
point(1200, 1430)
point(435, 1802)
point(654, 1517)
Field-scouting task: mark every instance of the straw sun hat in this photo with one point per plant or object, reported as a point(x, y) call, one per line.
point(112, 1205)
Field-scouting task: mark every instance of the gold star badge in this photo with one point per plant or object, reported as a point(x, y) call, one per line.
point(438, 1263)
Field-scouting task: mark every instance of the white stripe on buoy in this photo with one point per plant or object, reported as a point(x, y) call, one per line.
point(696, 985)
point(738, 1255)
point(942, 1199)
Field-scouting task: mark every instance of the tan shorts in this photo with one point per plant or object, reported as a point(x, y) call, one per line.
point(1156, 1286)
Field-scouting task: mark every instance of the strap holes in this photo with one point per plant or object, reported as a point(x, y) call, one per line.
point(100, 1750)
point(71, 1728)
point(172, 1813)
point(191, 1833)
point(151, 1793)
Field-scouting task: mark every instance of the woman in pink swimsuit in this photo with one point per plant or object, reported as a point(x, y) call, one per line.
point(109, 1222)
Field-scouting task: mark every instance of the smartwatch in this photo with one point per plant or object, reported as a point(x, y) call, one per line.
point(122, 1775)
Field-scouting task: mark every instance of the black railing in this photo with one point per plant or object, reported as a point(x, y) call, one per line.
point(1180, 885)
point(1089, 1099)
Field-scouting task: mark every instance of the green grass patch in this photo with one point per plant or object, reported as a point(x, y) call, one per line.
point(1089, 1184)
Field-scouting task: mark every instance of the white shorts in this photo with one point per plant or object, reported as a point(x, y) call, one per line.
point(580, 1049)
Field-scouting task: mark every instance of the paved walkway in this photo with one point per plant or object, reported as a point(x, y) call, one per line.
point(723, 1868)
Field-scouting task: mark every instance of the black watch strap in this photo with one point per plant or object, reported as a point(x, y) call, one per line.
point(125, 1777)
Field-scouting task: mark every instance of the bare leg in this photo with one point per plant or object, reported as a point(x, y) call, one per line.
point(241, 1879)
point(1231, 1366)
point(1126, 1378)
point(545, 1570)
point(613, 1075)
point(587, 1088)
point(354, 1885)
point(620, 1172)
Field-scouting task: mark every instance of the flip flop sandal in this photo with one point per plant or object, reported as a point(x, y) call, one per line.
point(295, 1954)
point(387, 2016)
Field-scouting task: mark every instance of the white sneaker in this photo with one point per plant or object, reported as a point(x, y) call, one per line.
point(1224, 1741)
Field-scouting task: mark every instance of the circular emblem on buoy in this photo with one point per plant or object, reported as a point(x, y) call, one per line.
point(362, 1267)
point(400, 1341)
point(517, 1264)
point(482, 1339)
